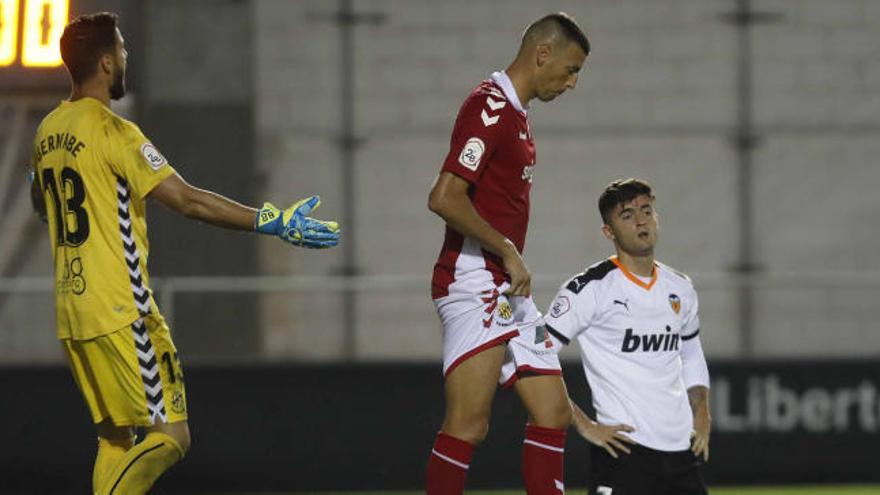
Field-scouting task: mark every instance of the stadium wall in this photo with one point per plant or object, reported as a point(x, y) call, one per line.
point(285, 428)
point(657, 99)
point(197, 106)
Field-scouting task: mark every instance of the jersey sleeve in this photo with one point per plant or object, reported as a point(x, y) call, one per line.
point(134, 158)
point(694, 370)
point(690, 326)
point(570, 313)
point(475, 138)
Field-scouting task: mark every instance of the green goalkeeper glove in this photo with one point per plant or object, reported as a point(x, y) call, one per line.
point(296, 227)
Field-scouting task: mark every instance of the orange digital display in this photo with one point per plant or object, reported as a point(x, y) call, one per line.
point(44, 22)
point(39, 25)
point(8, 31)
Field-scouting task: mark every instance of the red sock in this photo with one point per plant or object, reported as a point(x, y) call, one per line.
point(448, 466)
point(543, 451)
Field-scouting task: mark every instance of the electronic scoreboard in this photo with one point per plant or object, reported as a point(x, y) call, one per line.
point(30, 58)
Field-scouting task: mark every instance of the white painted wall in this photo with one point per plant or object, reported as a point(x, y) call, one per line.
point(657, 99)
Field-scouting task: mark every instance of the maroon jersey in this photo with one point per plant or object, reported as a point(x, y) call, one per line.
point(492, 149)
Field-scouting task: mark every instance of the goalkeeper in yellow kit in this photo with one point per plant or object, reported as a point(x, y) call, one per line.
point(92, 172)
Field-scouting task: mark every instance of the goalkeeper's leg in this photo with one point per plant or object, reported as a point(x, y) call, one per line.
point(140, 467)
point(113, 443)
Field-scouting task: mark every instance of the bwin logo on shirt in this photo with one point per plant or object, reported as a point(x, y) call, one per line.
point(652, 342)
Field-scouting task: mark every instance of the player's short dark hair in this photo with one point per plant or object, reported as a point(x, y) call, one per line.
point(561, 23)
point(85, 40)
point(622, 191)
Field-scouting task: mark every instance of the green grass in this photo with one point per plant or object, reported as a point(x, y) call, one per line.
point(750, 490)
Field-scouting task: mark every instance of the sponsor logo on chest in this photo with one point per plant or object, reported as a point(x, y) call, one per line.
point(650, 342)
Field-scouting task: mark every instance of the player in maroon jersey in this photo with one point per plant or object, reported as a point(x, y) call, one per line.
point(481, 285)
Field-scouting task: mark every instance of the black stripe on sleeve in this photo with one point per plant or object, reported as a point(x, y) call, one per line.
point(562, 338)
point(689, 337)
point(597, 272)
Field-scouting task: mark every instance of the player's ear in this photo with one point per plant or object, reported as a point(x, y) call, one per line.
point(542, 53)
point(609, 234)
point(107, 63)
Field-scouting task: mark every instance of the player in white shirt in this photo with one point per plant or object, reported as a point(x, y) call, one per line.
point(637, 325)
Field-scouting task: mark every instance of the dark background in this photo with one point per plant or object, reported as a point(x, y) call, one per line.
point(370, 427)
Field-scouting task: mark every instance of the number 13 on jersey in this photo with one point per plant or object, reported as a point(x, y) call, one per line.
point(66, 195)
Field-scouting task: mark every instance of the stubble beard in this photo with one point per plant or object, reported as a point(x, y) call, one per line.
point(117, 89)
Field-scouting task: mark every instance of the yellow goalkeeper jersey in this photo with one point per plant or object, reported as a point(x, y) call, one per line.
point(95, 169)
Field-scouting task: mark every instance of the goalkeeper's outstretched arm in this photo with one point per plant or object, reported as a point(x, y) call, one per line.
point(292, 225)
point(203, 205)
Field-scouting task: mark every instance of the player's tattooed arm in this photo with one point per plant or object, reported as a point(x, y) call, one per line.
point(609, 437)
point(698, 396)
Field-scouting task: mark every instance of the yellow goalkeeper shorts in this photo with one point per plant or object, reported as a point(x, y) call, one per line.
point(131, 376)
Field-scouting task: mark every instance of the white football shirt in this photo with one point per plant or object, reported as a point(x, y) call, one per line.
point(630, 332)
